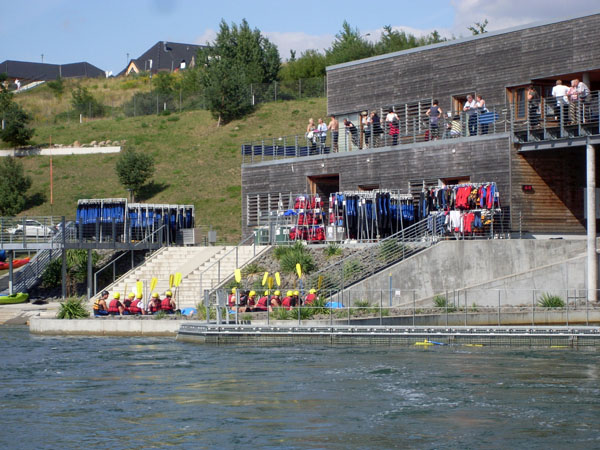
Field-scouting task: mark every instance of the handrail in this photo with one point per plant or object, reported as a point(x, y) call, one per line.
point(414, 126)
point(113, 262)
point(236, 248)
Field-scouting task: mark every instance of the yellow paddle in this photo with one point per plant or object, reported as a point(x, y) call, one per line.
point(238, 275)
point(270, 281)
point(153, 282)
point(277, 279)
point(299, 270)
point(265, 278)
point(177, 283)
point(139, 288)
point(171, 279)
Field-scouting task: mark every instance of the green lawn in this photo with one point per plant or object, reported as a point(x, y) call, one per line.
point(196, 162)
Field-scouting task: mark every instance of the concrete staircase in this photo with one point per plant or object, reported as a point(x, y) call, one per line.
point(201, 268)
point(214, 271)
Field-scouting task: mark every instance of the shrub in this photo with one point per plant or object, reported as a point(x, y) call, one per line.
point(51, 277)
point(85, 103)
point(332, 250)
point(351, 268)
point(57, 87)
point(362, 305)
point(281, 314)
point(160, 315)
point(252, 269)
point(440, 302)
point(72, 308)
point(297, 254)
point(547, 300)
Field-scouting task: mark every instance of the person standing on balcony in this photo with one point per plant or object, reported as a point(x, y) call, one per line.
point(365, 122)
point(351, 129)
point(471, 109)
point(322, 132)
point(573, 102)
point(334, 127)
point(376, 125)
point(559, 92)
point(434, 113)
point(583, 94)
point(392, 122)
point(533, 99)
point(481, 109)
point(310, 134)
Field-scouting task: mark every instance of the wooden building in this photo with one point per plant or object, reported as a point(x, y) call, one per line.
point(540, 172)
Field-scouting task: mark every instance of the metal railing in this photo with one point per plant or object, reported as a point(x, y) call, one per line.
point(114, 261)
point(461, 307)
point(217, 264)
point(377, 257)
point(549, 118)
point(413, 127)
point(30, 230)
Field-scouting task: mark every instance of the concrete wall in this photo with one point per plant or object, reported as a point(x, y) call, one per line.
point(515, 266)
point(105, 327)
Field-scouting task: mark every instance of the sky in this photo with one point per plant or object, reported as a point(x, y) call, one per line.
point(105, 32)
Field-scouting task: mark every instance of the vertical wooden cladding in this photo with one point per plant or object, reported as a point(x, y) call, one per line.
point(478, 159)
point(558, 180)
point(486, 64)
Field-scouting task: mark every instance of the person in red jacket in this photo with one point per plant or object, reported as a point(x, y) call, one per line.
point(288, 300)
point(231, 300)
point(276, 299)
point(137, 305)
point(115, 307)
point(311, 297)
point(154, 305)
point(263, 303)
point(168, 304)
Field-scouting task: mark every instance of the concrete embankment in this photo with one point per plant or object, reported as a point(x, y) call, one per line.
point(104, 327)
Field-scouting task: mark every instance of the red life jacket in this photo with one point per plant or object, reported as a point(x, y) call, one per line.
point(113, 306)
point(287, 302)
point(231, 300)
point(134, 308)
point(262, 304)
point(310, 298)
point(154, 306)
point(166, 304)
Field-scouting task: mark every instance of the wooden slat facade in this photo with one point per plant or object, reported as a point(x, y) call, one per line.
point(486, 64)
point(479, 159)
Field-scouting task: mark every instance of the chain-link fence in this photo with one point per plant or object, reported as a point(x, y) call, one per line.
point(153, 102)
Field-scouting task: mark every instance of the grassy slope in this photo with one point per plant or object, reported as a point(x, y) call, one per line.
point(196, 162)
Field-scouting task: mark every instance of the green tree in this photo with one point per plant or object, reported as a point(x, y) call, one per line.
point(238, 57)
point(57, 87)
point(478, 27)
point(164, 83)
point(349, 45)
point(134, 169)
point(311, 64)
point(13, 187)
point(15, 130)
point(394, 40)
point(85, 103)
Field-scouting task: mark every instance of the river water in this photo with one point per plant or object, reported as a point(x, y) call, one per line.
point(75, 392)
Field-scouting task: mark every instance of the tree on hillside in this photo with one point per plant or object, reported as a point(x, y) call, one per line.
point(311, 64)
point(13, 187)
point(393, 40)
point(84, 102)
point(348, 45)
point(15, 118)
point(238, 57)
point(478, 27)
point(134, 170)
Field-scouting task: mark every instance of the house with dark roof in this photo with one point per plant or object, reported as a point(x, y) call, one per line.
point(29, 72)
point(164, 56)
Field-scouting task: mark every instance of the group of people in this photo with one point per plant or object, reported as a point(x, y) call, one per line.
point(572, 102)
point(248, 302)
point(133, 304)
point(317, 135)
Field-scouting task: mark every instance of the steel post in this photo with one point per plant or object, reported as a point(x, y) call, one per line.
point(592, 256)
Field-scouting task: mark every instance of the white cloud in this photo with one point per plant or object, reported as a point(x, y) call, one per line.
point(208, 36)
point(508, 13)
point(298, 41)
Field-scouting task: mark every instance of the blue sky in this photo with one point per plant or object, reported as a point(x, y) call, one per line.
point(103, 32)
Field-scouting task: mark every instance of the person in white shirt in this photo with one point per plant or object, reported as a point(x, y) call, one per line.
point(559, 92)
point(322, 133)
point(471, 109)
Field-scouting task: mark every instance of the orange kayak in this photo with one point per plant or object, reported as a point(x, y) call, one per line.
point(16, 263)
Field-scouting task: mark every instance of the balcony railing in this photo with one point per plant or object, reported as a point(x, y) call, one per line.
point(551, 119)
point(413, 127)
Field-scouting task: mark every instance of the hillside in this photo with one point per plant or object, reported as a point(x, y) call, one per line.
point(196, 162)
